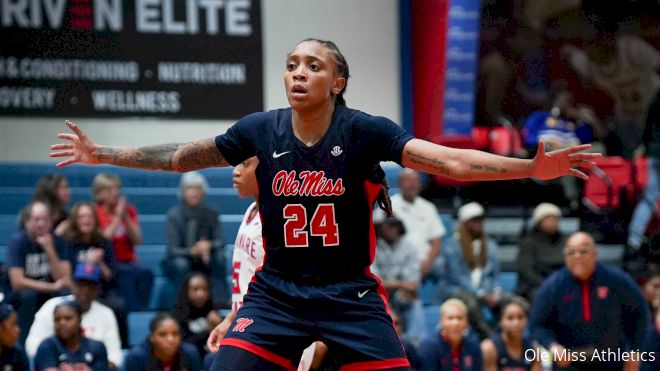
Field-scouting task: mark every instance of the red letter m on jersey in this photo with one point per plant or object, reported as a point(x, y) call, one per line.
point(242, 324)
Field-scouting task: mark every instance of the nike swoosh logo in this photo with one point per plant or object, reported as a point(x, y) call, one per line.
point(278, 155)
point(362, 294)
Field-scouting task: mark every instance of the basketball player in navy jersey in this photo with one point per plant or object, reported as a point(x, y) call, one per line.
point(317, 185)
point(510, 349)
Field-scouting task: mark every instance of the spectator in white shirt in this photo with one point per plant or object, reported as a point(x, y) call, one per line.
point(397, 265)
point(98, 321)
point(421, 219)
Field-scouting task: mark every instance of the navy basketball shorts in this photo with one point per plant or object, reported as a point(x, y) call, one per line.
point(279, 319)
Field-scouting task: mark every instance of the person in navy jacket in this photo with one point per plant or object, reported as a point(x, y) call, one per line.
point(511, 349)
point(163, 349)
point(68, 349)
point(451, 349)
point(589, 315)
point(12, 357)
point(651, 346)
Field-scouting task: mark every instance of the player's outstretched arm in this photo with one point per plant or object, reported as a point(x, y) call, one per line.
point(467, 164)
point(182, 157)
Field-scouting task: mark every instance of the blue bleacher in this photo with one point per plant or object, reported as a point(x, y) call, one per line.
point(26, 174)
point(163, 294)
point(147, 200)
point(427, 292)
point(431, 318)
point(138, 327)
point(150, 256)
point(509, 281)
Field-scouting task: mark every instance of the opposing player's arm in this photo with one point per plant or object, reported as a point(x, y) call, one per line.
point(179, 157)
point(466, 164)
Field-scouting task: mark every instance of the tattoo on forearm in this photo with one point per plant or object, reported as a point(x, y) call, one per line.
point(174, 156)
point(488, 168)
point(150, 157)
point(198, 155)
point(434, 163)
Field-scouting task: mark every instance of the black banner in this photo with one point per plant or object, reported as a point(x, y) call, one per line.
point(111, 58)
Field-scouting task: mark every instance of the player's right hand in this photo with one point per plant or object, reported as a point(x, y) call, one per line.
point(79, 148)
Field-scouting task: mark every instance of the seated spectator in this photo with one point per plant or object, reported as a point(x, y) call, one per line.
point(87, 245)
point(69, 349)
point(651, 291)
point(194, 242)
point(53, 190)
point(510, 348)
point(396, 263)
point(97, 320)
point(651, 345)
point(119, 223)
point(163, 349)
point(194, 311)
point(472, 268)
point(38, 269)
point(12, 357)
point(541, 250)
point(589, 307)
point(451, 349)
point(421, 219)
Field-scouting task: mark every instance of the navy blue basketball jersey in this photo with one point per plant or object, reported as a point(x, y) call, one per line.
point(316, 202)
point(507, 363)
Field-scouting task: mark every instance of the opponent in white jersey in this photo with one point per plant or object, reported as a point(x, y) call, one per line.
point(248, 255)
point(248, 248)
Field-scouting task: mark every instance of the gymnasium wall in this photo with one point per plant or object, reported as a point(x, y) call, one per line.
point(367, 32)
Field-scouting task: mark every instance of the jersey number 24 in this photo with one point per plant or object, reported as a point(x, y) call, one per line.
point(323, 224)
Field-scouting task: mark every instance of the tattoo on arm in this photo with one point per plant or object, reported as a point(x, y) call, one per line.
point(150, 157)
point(199, 154)
point(488, 168)
point(172, 157)
point(434, 163)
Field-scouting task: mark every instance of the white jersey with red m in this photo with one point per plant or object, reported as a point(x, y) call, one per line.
point(248, 255)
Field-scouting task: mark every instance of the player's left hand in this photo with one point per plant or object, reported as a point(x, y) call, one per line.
point(566, 161)
point(218, 333)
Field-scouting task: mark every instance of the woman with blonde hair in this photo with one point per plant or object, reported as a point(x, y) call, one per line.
point(451, 349)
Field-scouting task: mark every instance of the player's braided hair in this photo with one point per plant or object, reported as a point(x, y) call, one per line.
point(383, 199)
point(340, 61)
